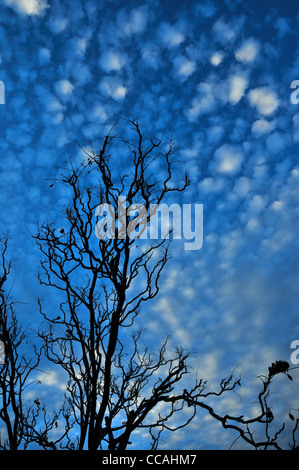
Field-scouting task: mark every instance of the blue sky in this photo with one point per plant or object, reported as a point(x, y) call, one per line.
point(216, 76)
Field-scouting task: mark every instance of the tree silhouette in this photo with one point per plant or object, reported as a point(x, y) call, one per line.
point(116, 387)
point(261, 431)
point(112, 387)
point(107, 374)
point(25, 421)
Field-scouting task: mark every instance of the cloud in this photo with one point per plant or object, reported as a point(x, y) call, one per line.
point(283, 26)
point(113, 88)
point(248, 51)
point(133, 22)
point(203, 103)
point(264, 99)
point(248, 186)
point(150, 53)
point(226, 33)
point(180, 331)
point(228, 159)
point(99, 113)
point(44, 55)
point(81, 73)
point(81, 45)
point(256, 204)
point(170, 35)
point(57, 25)
point(214, 134)
point(261, 126)
point(211, 185)
point(28, 7)
point(184, 67)
point(49, 377)
point(237, 87)
point(242, 186)
point(112, 60)
point(216, 58)
point(64, 87)
point(206, 9)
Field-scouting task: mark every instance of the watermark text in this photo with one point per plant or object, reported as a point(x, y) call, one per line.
point(295, 353)
point(295, 94)
point(2, 93)
point(157, 221)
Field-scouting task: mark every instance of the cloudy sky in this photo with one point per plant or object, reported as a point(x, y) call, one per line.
point(217, 76)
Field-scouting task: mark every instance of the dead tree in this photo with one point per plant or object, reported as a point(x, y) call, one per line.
point(26, 422)
point(114, 386)
point(108, 374)
point(262, 431)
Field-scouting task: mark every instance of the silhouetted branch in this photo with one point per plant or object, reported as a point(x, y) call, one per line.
point(18, 415)
point(265, 416)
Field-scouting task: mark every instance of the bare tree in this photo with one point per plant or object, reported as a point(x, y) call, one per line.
point(106, 375)
point(261, 431)
point(116, 387)
point(26, 422)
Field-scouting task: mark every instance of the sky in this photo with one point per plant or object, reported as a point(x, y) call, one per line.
point(216, 75)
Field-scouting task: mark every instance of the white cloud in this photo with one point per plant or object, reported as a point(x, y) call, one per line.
point(113, 88)
point(50, 102)
point(228, 159)
point(150, 54)
point(44, 55)
point(283, 26)
point(257, 204)
point(203, 103)
point(99, 113)
point(64, 87)
point(211, 185)
point(133, 22)
point(184, 67)
point(248, 51)
point(237, 87)
point(57, 25)
point(170, 35)
point(138, 20)
point(277, 205)
point(214, 134)
point(264, 99)
point(48, 378)
point(216, 58)
point(207, 9)
point(112, 60)
point(243, 186)
point(193, 151)
point(225, 32)
point(81, 45)
point(28, 7)
point(119, 92)
point(81, 73)
point(178, 327)
point(261, 126)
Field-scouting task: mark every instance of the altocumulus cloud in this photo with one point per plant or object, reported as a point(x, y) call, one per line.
point(264, 99)
point(237, 87)
point(228, 159)
point(247, 51)
point(28, 7)
point(195, 71)
point(64, 87)
point(112, 60)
